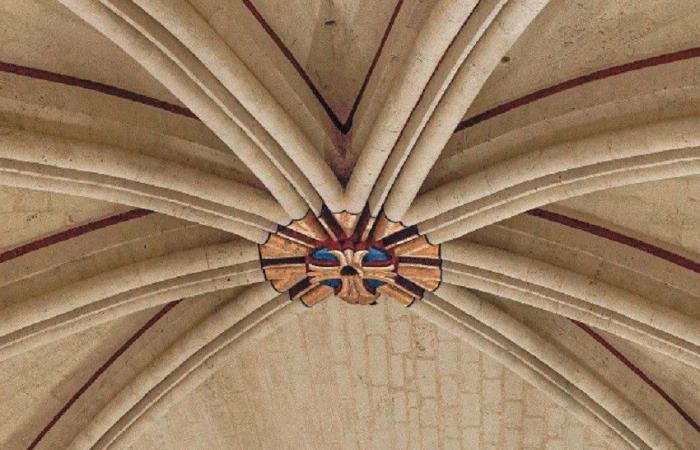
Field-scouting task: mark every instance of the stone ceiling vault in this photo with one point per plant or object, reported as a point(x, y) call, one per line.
point(360, 224)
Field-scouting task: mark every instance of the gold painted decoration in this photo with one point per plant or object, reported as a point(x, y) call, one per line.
point(316, 257)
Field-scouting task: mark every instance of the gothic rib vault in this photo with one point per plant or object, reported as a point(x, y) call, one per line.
point(378, 224)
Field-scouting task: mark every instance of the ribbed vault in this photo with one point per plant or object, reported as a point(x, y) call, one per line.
point(386, 224)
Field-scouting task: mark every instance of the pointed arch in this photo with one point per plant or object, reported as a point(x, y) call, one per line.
point(184, 365)
point(545, 286)
point(508, 25)
point(443, 25)
point(194, 93)
point(576, 385)
point(260, 114)
point(124, 290)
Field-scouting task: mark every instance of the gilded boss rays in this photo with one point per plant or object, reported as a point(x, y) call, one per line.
point(354, 257)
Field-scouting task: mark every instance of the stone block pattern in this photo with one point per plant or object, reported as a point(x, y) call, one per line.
point(348, 377)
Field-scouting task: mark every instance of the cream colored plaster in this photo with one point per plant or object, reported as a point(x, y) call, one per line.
point(318, 31)
point(25, 42)
point(342, 377)
point(235, 364)
point(26, 214)
point(668, 210)
point(572, 39)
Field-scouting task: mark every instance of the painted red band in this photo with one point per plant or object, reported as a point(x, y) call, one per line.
point(348, 123)
point(102, 369)
point(64, 236)
point(639, 245)
point(343, 127)
point(569, 84)
point(72, 233)
point(617, 237)
point(639, 372)
point(39, 74)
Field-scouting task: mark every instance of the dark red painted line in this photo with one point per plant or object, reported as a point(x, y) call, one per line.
point(348, 123)
point(72, 233)
point(120, 351)
point(421, 261)
point(566, 85)
point(64, 236)
point(409, 286)
point(617, 237)
point(343, 127)
point(298, 288)
point(639, 245)
point(290, 57)
point(362, 224)
point(39, 74)
point(295, 235)
point(285, 261)
point(328, 221)
point(639, 372)
point(400, 236)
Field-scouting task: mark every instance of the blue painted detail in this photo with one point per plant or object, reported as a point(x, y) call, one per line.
point(334, 283)
point(373, 284)
point(375, 254)
point(323, 254)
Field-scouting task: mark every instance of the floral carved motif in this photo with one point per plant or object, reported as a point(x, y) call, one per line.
point(353, 257)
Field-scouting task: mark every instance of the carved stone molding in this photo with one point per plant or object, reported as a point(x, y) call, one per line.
point(353, 256)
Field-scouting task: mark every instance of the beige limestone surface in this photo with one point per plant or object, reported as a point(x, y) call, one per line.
point(147, 148)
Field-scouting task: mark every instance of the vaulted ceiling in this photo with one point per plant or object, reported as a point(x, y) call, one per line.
point(382, 224)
